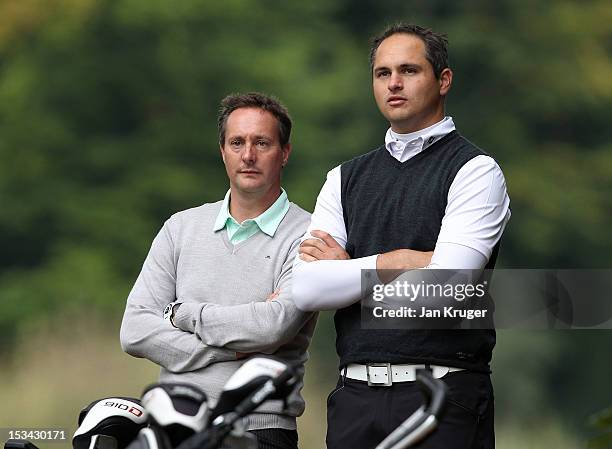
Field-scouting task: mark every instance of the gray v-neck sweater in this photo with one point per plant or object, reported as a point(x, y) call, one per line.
point(224, 289)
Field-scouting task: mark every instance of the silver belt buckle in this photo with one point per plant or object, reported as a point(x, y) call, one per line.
point(376, 375)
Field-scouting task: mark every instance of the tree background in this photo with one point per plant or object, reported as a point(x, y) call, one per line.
point(108, 126)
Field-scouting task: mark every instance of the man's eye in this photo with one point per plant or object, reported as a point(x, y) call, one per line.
point(235, 143)
point(262, 143)
point(382, 74)
point(409, 70)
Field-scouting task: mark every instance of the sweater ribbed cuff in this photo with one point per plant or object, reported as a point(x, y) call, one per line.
point(186, 316)
point(257, 421)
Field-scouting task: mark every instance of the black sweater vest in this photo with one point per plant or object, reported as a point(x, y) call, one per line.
point(389, 205)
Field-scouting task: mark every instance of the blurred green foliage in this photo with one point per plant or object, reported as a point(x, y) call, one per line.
point(108, 126)
point(602, 422)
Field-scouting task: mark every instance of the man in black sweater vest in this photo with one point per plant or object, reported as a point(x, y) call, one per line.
point(427, 198)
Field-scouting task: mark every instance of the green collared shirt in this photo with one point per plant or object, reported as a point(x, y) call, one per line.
point(267, 222)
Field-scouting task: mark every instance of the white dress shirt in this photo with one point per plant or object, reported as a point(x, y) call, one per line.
point(476, 214)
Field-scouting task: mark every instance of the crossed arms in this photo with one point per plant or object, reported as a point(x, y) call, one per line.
point(207, 333)
point(325, 278)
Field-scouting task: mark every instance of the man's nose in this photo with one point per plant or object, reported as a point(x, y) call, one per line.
point(249, 153)
point(395, 82)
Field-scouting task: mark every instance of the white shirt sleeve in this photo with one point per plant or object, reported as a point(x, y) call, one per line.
point(459, 257)
point(475, 217)
point(328, 215)
point(477, 210)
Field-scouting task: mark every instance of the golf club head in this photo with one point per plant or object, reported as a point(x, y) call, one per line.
point(116, 417)
point(178, 409)
point(250, 377)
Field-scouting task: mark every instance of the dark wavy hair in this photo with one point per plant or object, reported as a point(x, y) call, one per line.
point(436, 50)
point(255, 100)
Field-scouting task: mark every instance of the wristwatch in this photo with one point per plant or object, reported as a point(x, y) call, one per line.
point(170, 312)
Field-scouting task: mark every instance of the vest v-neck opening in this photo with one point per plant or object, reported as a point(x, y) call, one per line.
point(414, 159)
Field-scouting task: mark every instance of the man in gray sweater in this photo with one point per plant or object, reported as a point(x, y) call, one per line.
point(222, 272)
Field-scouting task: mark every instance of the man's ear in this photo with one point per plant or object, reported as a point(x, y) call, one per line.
point(286, 150)
point(446, 80)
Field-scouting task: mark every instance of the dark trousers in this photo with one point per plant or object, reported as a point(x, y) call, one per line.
point(360, 416)
point(276, 438)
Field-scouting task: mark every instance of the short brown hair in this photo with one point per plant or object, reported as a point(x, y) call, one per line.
point(436, 45)
point(255, 100)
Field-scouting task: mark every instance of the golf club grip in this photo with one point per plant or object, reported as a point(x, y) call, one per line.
point(436, 389)
point(405, 428)
point(423, 420)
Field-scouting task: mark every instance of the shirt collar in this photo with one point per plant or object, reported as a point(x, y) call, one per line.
point(268, 221)
point(397, 144)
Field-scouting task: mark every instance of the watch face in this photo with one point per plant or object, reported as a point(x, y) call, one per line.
point(167, 311)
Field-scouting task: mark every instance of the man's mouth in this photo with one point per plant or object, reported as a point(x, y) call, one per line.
point(248, 172)
point(396, 101)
